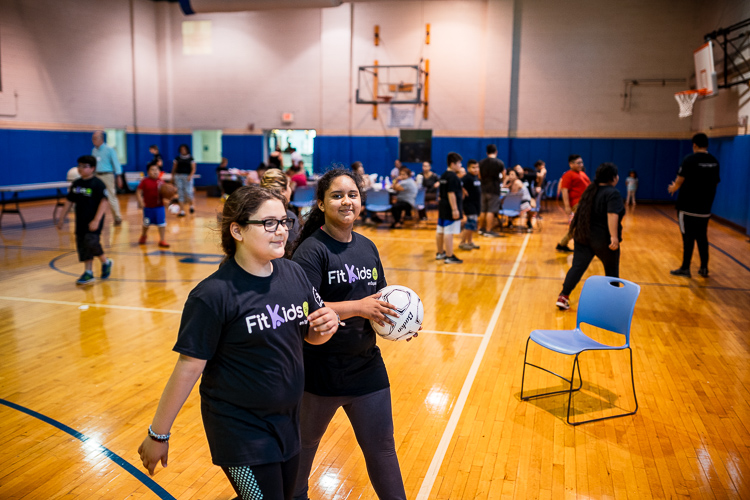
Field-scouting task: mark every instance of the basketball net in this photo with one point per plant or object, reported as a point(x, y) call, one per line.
point(686, 99)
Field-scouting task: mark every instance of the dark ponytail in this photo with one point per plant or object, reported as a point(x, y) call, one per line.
point(241, 205)
point(316, 218)
point(581, 225)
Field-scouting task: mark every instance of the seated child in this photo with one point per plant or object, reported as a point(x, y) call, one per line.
point(149, 199)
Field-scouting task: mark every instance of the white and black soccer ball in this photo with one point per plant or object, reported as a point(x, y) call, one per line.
point(410, 309)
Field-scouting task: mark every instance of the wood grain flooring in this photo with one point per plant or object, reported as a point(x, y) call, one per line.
point(82, 368)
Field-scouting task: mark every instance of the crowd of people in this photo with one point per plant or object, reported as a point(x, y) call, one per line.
point(268, 398)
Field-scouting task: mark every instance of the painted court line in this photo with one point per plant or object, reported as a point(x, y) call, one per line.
point(168, 311)
point(91, 443)
point(450, 429)
point(89, 304)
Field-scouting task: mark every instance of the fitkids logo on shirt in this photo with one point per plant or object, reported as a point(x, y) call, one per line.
point(352, 274)
point(83, 191)
point(276, 317)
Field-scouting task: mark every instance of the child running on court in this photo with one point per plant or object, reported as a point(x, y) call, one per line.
point(472, 204)
point(90, 197)
point(149, 199)
point(241, 333)
point(449, 210)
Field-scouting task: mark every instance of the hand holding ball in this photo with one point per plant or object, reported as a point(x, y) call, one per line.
point(408, 306)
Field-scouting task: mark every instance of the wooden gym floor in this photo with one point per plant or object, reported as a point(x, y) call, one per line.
point(82, 368)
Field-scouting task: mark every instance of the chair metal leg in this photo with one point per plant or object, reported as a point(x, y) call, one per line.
point(632, 378)
point(564, 391)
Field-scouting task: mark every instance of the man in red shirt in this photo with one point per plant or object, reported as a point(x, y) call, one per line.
point(573, 183)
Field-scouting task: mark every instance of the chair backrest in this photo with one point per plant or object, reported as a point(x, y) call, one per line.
point(381, 197)
point(550, 189)
point(512, 201)
point(420, 197)
point(608, 303)
point(304, 194)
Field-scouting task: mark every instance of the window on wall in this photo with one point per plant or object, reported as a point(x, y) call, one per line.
point(117, 139)
point(207, 146)
point(303, 141)
point(196, 37)
point(415, 146)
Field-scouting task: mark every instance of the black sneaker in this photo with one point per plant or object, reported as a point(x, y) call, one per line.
point(440, 256)
point(86, 278)
point(452, 259)
point(563, 248)
point(681, 272)
point(703, 271)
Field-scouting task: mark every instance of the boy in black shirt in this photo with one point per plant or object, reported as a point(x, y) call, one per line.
point(90, 196)
point(449, 210)
point(472, 204)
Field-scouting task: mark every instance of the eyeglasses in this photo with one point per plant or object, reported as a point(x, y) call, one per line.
point(271, 225)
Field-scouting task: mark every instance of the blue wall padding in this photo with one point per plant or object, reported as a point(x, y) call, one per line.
point(28, 156)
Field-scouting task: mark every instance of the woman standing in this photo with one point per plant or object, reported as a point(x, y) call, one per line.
point(183, 171)
point(596, 229)
point(242, 329)
point(349, 371)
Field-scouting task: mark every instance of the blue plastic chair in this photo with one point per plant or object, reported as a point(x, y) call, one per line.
point(378, 201)
point(606, 303)
point(304, 196)
point(511, 205)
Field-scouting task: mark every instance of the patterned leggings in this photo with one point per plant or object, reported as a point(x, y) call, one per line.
point(264, 482)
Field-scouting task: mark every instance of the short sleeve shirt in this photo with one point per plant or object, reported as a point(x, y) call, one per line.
point(150, 189)
point(409, 193)
point(350, 363)
point(250, 329)
point(608, 200)
point(490, 170)
point(87, 195)
point(184, 164)
point(698, 190)
point(473, 200)
point(449, 183)
point(576, 183)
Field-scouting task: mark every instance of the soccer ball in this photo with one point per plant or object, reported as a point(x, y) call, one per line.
point(410, 310)
point(174, 209)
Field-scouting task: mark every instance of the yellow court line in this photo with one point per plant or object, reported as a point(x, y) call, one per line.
point(450, 429)
point(89, 304)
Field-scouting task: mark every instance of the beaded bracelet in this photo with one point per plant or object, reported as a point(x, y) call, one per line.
point(162, 438)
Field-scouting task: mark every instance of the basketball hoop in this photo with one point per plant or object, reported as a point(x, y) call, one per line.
point(686, 99)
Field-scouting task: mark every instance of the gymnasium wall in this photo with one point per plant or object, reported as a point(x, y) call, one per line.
point(541, 79)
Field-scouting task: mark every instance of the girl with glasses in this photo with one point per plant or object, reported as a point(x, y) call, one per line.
point(242, 330)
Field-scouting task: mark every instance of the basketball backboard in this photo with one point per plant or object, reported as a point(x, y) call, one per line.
point(705, 71)
point(389, 84)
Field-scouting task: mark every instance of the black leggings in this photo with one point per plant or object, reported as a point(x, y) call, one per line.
point(582, 257)
point(372, 422)
point(264, 482)
point(694, 230)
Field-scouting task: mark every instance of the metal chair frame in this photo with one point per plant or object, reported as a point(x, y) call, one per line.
point(594, 346)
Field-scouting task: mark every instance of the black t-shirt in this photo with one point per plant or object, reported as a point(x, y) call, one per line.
point(428, 183)
point(251, 330)
point(449, 183)
point(490, 170)
point(698, 190)
point(473, 200)
point(350, 363)
point(184, 165)
point(87, 195)
point(607, 201)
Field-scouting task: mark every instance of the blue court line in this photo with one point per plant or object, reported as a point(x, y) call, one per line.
point(143, 478)
point(53, 265)
point(710, 244)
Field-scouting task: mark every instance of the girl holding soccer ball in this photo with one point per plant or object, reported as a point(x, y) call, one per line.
point(348, 371)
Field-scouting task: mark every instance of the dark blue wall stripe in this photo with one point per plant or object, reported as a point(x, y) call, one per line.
point(143, 478)
point(28, 156)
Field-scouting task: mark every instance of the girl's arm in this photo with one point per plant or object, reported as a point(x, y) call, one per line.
point(186, 373)
point(612, 220)
point(369, 307)
point(323, 323)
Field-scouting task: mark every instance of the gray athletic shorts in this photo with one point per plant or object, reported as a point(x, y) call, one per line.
point(490, 203)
